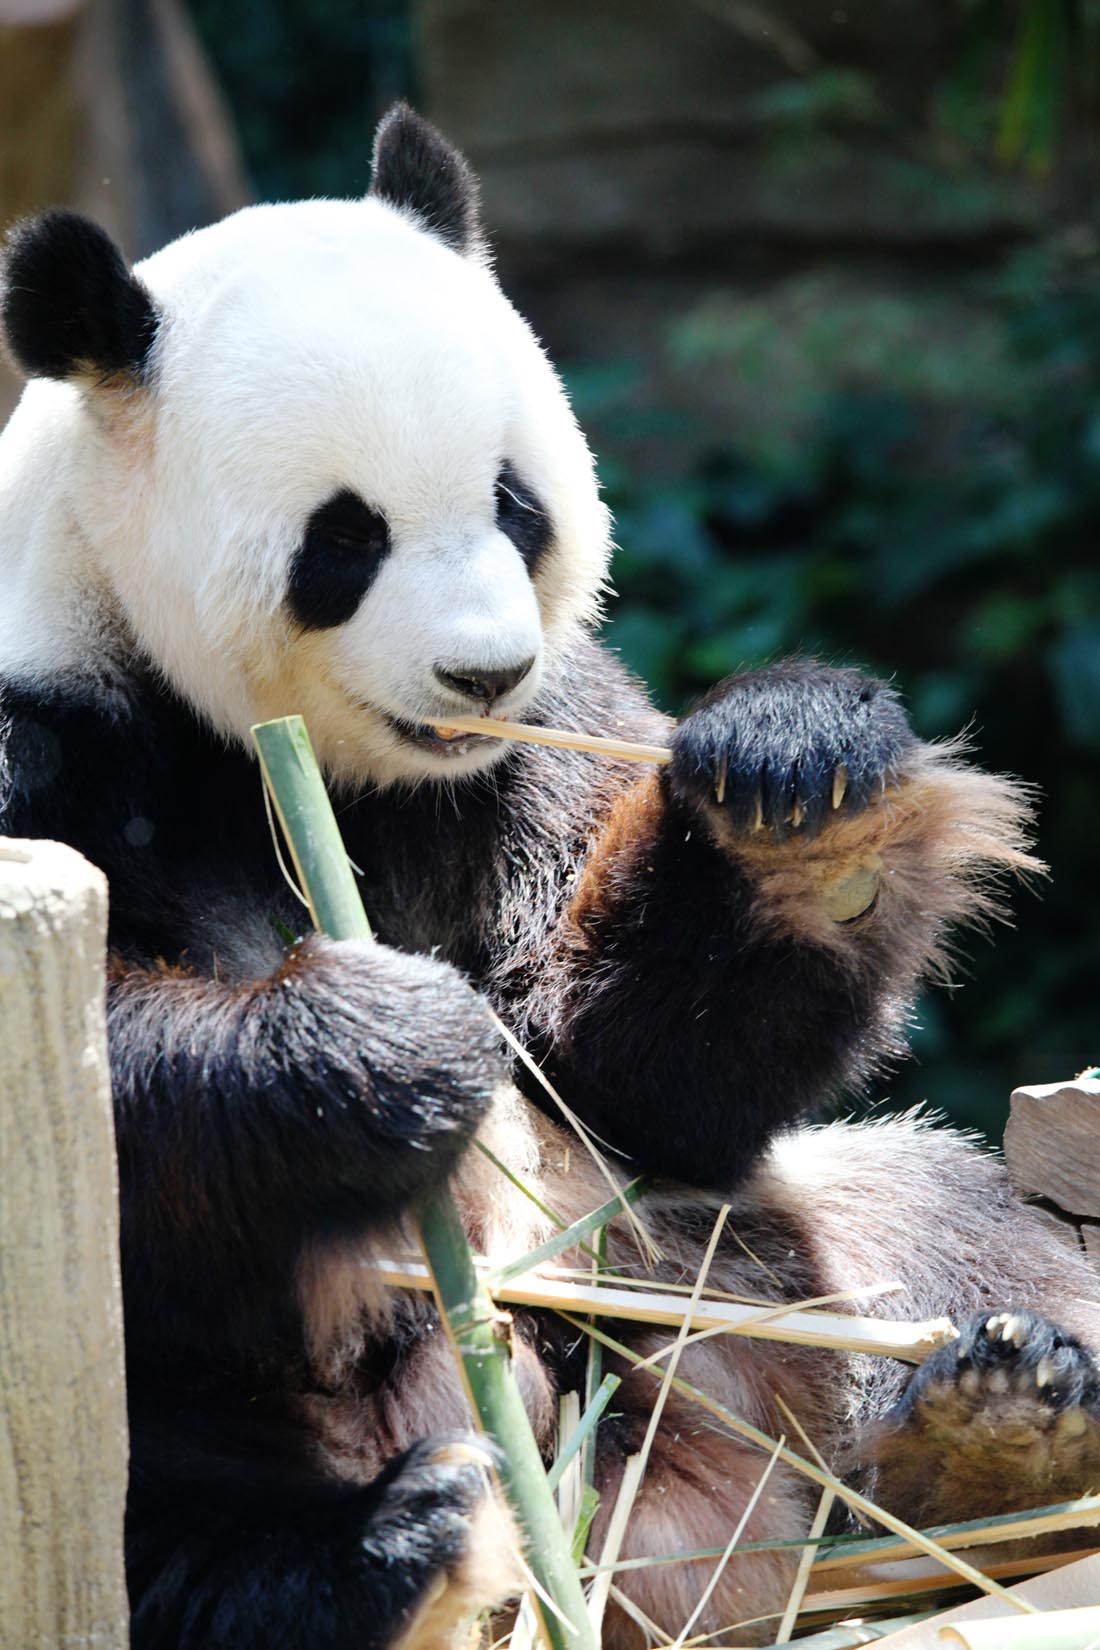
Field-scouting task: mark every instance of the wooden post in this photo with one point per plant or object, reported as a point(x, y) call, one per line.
point(62, 1396)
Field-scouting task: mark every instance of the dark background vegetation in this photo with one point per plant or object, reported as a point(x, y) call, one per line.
point(823, 277)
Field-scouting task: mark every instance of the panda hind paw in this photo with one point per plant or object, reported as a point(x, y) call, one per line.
point(1012, 1372)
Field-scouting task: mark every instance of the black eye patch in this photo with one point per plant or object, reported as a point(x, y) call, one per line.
point(522, 517)
point(342, 548)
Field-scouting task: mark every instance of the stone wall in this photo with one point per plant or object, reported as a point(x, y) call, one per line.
point(639, 158)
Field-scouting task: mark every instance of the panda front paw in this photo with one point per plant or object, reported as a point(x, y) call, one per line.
point(394, 1054)
point(440, 1524)
point(428, 1496)
point(783, 749)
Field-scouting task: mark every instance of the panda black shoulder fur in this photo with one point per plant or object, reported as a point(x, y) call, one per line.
point(310, 459)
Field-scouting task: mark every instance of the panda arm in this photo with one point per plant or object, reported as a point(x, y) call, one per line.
point(711, 978)
point(253, 1113)
point(260, 1099)
point(237, 1540)
point(680, 1034)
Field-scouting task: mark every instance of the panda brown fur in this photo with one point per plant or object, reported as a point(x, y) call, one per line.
point(311, 460)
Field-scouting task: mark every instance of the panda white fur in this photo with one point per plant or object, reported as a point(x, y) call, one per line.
point(310, 459)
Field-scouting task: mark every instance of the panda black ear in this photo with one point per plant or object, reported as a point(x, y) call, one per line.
point(415, 168)
point(69, 303)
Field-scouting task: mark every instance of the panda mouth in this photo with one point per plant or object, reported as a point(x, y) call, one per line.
point(426, 738)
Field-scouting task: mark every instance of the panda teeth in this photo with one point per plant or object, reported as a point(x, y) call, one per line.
point(439, 737)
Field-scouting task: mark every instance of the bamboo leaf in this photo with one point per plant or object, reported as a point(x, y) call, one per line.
point(1033, 96)
point(571, 1236)
point(584, 1428)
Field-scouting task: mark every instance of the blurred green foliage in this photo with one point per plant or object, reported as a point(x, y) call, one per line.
point(1053, 60)
point(922, 497)
point(307, 80)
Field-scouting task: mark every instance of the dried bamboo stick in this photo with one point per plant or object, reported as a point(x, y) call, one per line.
point(976, 1532)
point(983, 1532)
point(570, 1442)
point(913, 1577)
point(627, 750)
point(630, 1485)
point(570, 1237)
point(885, 1337)
point(801, 1581)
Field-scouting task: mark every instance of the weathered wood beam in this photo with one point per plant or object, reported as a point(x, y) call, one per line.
point(62, 1397)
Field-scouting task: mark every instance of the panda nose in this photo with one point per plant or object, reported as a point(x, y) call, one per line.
point(485, 685)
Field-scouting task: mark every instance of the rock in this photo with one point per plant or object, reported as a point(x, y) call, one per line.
point(1052, 1144)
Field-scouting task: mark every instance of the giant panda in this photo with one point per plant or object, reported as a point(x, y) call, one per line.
point(310, 459)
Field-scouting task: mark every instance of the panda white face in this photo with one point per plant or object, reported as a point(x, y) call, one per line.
point(350, 486)
point(369, 499)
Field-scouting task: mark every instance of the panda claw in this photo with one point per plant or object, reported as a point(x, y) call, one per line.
point(840, 785)
point(758, 814)
point(720, 780)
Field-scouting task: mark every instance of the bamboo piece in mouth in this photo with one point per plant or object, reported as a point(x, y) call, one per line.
point(626, 749)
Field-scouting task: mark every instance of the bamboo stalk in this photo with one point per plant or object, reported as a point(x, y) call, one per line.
point(627, 750)
point(479, 1333)
point(857, 1635)
point(884, 1337)
point(309, 829)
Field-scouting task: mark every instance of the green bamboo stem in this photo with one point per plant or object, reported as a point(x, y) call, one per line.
point(309, 828)
point(479, 1332)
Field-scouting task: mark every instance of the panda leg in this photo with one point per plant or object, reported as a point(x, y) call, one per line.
point(1006, 1417)
point(699, 1482)
point(408, 1560)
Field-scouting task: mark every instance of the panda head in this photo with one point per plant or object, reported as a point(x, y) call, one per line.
point(311, 459)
